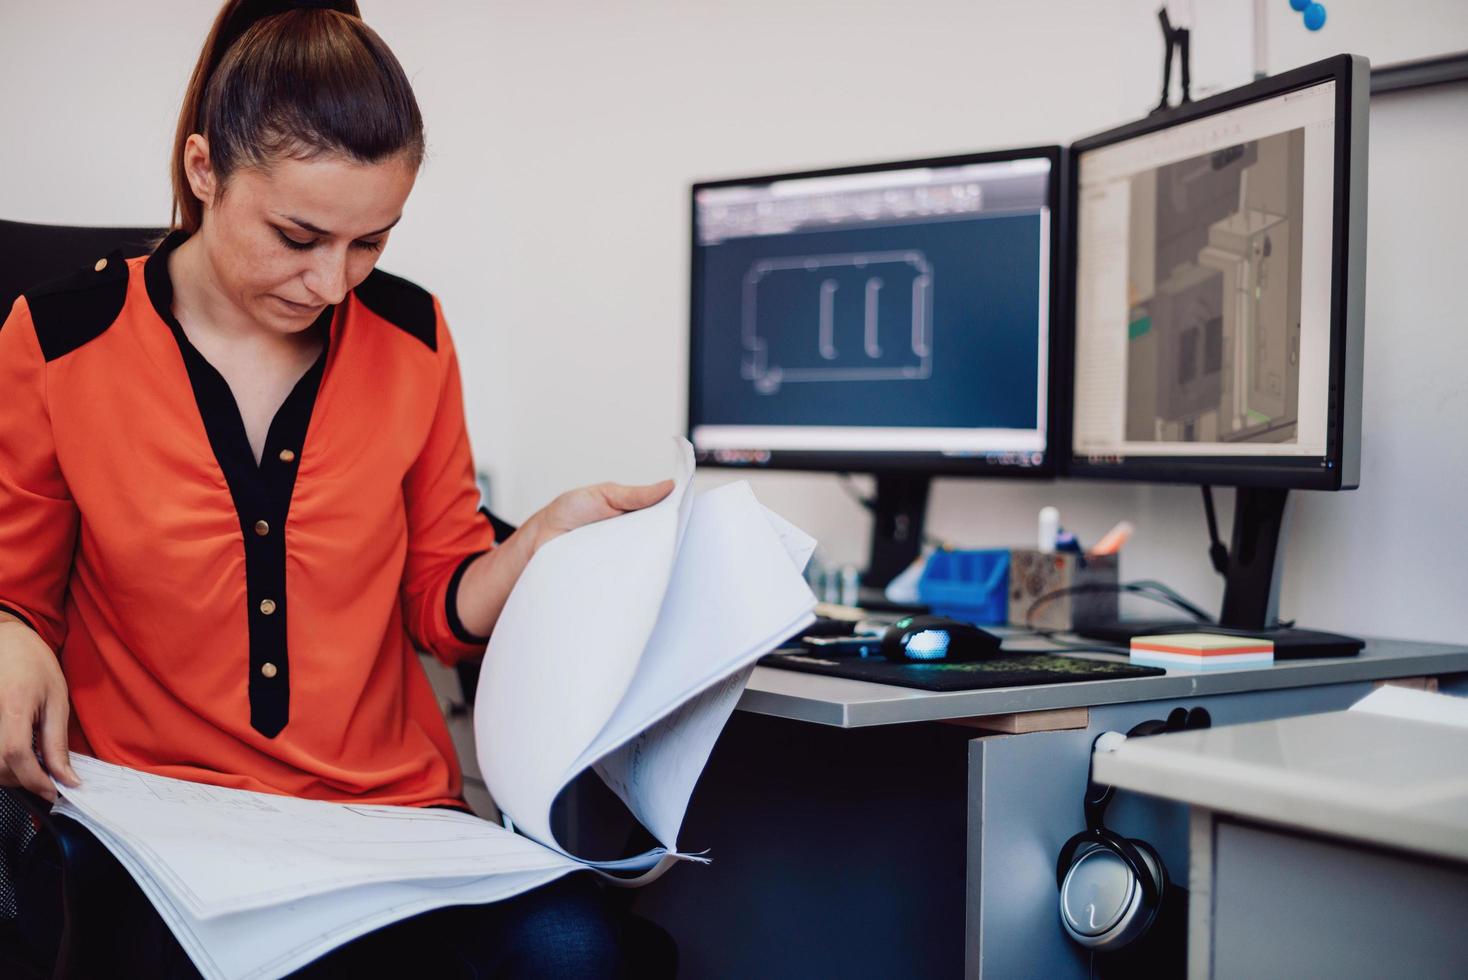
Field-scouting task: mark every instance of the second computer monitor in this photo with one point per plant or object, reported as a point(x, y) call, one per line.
point(877, 318)
point(1219, 282)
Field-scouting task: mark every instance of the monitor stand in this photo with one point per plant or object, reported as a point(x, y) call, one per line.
point(898, 511)
point(1251, 590)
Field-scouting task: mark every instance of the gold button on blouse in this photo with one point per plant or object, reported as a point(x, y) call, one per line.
point(286, 456)
point(262, 528)
point(268, 669)
point(267, 606)
point(101, 264)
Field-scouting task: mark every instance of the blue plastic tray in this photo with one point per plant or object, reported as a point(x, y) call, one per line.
point(968, 585)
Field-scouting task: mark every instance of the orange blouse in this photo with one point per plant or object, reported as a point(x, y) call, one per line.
point(217, 620)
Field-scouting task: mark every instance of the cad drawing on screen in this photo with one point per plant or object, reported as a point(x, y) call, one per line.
point(1214, 284)
point(857, 316)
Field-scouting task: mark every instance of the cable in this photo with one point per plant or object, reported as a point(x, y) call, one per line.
point(1079, 648)
point(1217, 553)
point(1147, 589)
point(1174, 598)
point(1214, 628)
point(1059, 646)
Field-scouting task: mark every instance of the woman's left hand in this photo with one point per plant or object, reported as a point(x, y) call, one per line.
point(488, 580)
point(586, 505)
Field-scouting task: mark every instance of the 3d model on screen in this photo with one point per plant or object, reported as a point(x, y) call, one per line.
point(862, 316)
point(1213, 353)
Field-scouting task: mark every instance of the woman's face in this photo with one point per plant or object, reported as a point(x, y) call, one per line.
point(285, 242)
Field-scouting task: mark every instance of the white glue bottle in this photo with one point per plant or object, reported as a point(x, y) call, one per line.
point(1049, 529)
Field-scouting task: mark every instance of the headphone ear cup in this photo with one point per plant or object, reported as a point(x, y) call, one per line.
point(1104, 903)
point(1069, 852)
point(1152, 726)
point(1153, 862)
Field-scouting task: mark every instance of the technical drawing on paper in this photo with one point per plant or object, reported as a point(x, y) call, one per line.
point(857, 316)
point(1213, 349)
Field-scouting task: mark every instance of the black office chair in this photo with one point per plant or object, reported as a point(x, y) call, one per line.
point(32, 841)
point(60, 861)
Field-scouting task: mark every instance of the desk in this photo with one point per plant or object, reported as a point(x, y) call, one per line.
point(858, 704)
point(854, 834)
point(1330, 845)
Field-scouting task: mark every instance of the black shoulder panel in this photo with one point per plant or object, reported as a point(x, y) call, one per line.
point(72, 310)
point(406, 305)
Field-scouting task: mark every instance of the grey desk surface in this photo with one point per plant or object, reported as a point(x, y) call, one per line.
point(856, 704)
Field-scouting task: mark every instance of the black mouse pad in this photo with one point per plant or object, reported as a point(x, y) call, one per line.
point(1014, 670)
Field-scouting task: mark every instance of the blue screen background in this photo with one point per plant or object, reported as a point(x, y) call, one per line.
point(985, 316)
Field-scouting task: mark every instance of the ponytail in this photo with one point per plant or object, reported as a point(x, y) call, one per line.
point(277, 78)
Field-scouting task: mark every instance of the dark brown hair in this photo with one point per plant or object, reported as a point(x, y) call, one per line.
point(280, 79)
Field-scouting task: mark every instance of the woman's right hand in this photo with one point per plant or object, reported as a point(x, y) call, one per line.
point(33, 698)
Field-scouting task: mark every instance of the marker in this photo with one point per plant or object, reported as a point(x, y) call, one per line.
point(1113, 539)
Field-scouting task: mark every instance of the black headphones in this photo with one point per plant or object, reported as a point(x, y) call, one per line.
point(1112, 887)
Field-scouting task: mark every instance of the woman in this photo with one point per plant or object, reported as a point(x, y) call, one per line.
point(235, 485)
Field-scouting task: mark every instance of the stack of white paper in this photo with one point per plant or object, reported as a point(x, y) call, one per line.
point(623, 648)
point(255, 885)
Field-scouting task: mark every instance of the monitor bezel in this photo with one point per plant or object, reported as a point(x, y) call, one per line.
point(1339, 469)
point(887, 462)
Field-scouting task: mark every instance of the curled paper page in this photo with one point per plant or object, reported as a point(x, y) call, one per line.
point(669, 648)
point(566, 647)
point(736, 592)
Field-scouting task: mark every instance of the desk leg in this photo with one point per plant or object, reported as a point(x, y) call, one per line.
point(1200, 902)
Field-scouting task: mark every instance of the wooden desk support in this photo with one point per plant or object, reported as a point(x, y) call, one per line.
point(1024, 722)
point(1414, 683)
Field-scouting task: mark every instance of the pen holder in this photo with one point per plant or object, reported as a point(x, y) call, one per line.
point(1033, 574)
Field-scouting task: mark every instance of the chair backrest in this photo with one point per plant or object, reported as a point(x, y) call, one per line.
point(35, 253)
point(15, 833)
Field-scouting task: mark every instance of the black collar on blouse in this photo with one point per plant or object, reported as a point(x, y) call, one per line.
point(217, 406)
point(261, 493)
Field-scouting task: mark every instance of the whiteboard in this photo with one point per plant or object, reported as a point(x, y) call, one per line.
point(1386, 33)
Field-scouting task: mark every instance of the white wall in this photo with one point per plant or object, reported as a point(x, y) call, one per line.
point(552, 221)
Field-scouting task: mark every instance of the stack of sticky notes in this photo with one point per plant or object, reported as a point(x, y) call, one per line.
point(1201, 651)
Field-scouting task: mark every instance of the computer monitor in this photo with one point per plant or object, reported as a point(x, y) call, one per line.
point(1218, 274)
point(893, 318)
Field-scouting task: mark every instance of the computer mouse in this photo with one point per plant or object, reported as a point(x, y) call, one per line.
point(935, 639)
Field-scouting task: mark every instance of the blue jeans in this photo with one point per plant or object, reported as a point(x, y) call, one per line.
point(559, 930)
